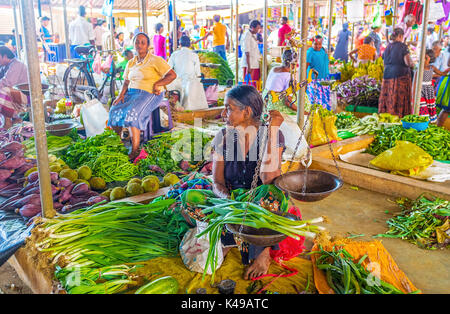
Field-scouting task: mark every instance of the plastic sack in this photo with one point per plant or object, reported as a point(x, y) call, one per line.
point(319, 134)
point(97, 65)
point(106, 65)
point(94, 116)
point(194, 250)
point(404, 158)
point(443, 92)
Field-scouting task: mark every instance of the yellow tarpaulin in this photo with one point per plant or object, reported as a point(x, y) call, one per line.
point(232, 268)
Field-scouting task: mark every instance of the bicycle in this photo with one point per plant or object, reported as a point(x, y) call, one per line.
point(79, 76)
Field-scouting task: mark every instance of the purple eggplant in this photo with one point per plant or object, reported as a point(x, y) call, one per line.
point(5, 174)
point(96, 199)
point(30, 210)
point(34, 190)
point(21, 170)
point(11, 147)
point(3, 157)
point(33, 177)
point(13, 163)
point(54, 177)
point(6, 204)
point(29, 186)
point(64, 183)
point(57, 206)
point(71, 208)
point(33, 199)
point(80, 189)
point(3, 184)
point(66, 194)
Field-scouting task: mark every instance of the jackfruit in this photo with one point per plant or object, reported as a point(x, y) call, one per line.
point(84, 172)
point(134, 188)
point(150, 184)
point(97, 183)
point(70, 174)
point(117, 193)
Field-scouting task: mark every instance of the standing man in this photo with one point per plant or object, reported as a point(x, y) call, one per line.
point(283, 32)
point(219, 32)
point(406, 26)
point(44, 33)
point(317, 59)
point(376, 38)
point(81, 32)
point(99, 30)
point(251, 55)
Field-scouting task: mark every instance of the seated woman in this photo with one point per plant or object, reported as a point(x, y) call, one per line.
point(145, 76)
point(366, 52)
point(12, 101)
point(236, 150)
point(278, 91)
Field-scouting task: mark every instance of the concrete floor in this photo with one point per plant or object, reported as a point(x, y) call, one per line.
point(364, 212)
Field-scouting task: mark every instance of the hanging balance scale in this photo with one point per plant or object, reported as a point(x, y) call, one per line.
point(303, 185)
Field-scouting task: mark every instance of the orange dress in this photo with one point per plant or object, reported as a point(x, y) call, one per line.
point(366, 52)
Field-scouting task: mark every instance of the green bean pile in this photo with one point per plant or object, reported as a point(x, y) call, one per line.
point(113, 167)
point(346, 277)
point(434, 140)
point(414, 118)
point(419, 220)
point(54, 144)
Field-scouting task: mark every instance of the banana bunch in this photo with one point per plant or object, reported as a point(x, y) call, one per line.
point(347, 71)
point(361, 70)
point(61, 106)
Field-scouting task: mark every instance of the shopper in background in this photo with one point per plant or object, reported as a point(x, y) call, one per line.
point(283, 31)
point(251, 55)
point(366, 52)
point(376, 38)
point(359, 40)
point(221, 40)
point(12, 101)
point(120, 44)
point(81, 32)
point(159, 41)
point(406, 26)
point(341, 52)
point(439, 60)
point(317, 59)
point(395, 95)
point(99, 30)
point(44, 33)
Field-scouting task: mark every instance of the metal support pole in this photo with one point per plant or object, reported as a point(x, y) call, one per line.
point(237, 42)
point(265, 30)
point(111, 30)
point(175, 29)
point(330, 24)
point(51, 21)
point(37, 108)
point(419, 76)
point(16, 33)
point(231, 27)
point(302, 71)
point(394, 14)
point(144, 15)
point(66, 29)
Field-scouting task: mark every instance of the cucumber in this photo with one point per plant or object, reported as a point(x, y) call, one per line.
point(163, 285)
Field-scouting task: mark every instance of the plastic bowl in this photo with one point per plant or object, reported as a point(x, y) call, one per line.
point(60, 129)
point(419, 126)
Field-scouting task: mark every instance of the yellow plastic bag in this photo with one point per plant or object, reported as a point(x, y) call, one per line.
point(318, 136)
point(404, 158)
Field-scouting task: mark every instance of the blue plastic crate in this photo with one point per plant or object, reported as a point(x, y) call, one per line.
point(59, 53)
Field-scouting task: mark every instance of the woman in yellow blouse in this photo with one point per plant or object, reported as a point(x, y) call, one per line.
point(144, 79)
point(366, 52)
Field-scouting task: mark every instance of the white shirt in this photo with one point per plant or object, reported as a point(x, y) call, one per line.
point(441, 62)
point(98, 33)
point(185, 63)
point(80, 31)
point(250, 45)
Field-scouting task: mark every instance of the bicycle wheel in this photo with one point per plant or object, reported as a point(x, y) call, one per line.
point(76, 81)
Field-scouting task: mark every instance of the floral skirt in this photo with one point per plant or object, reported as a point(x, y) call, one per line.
point(395, 96)
point(135, 110)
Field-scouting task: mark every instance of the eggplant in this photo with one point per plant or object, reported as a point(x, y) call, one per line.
point(13, 163)
point(11, 147)
point(80, 189)
point(33, 177)
point(21, 170)
point(3, 157)
point(54, 177)
point(71, 208)
point(9, 193)
point(66, 194)
point(3, 184)
point(6, 203)
point(57, 206)
point(5, 174)
point(30, 210)
point(33, 199)
point(29, 186)
point(34, 190)
point(96, 199)
point(64, 183)
point(75, 200)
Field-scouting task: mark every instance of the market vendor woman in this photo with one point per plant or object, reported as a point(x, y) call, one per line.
point(236, 151)
point(145, 76)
